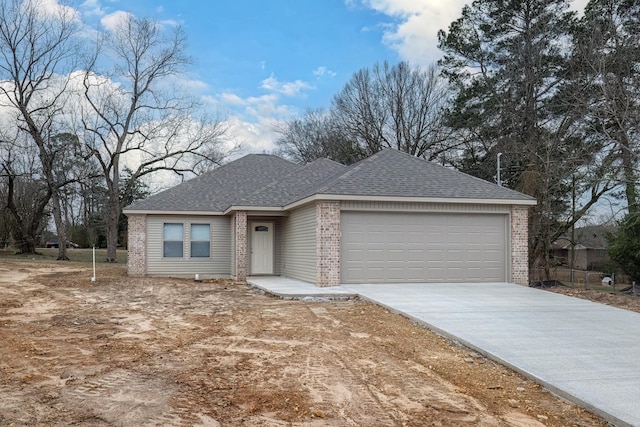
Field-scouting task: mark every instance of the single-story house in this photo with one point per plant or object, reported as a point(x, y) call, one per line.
point(589, 249)
point(390, 218)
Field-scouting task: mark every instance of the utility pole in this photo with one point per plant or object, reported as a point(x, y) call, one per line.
point(499, 181)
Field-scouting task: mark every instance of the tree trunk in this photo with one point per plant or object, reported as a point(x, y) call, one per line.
point(25, 229)
point(628, 169)
point(113, 215)
point(24, 244)
point(61, 228)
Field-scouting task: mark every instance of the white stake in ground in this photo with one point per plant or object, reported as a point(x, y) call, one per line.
point(93, 279)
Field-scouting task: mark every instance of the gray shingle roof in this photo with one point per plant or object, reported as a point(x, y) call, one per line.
point(393, 173)
point(261, 180)
point(293, 186)
point(218, 189)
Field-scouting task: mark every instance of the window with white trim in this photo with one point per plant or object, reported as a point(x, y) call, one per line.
point(200, 240)
point(172, 240)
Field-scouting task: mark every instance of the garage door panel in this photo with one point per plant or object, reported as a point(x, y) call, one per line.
point(415, 247)
point(435, 254)
point(474, 255)
point(356, 255)
point(434, 275)
point(416, 255)
point(475, 238)
point(397, 255)
point(434, 238)
point(376, 236)
point(455, 238)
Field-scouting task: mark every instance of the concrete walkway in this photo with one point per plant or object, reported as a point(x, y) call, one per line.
point(586, 352)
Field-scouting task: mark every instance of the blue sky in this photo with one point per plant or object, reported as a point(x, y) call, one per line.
point(263, 61)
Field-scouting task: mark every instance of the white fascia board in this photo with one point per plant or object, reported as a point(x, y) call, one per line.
point(254, 209)
point(267, 213)
point(185, 213)
point(337, 197)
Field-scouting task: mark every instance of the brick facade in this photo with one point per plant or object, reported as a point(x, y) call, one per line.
point(520, 245)
point(328, 243)
point(240, 230)
point(137, 245)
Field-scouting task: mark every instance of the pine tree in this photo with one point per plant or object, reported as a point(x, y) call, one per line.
point(509, 63)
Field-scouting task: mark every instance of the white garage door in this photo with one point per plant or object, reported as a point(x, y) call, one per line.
point(385, 247)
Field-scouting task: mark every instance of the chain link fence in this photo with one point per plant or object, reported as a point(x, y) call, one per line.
point(585, 279)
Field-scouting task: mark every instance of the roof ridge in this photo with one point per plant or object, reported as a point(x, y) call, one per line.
point(349, 170)
point(273, 183)
point(307, 180)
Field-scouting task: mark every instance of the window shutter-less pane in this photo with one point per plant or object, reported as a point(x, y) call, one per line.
point(200, 240)
point(172, 235)
point(200, 249)
point(172, 249)
point(173, 232)
point(200, 232)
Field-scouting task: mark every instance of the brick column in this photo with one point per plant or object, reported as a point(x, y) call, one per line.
point(520, 245)
point(328, 243)
point(137, 245)
point(240, 230)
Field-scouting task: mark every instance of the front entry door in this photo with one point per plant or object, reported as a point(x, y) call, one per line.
point(261, 248)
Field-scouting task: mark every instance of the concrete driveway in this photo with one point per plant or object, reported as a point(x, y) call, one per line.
point(586, 352)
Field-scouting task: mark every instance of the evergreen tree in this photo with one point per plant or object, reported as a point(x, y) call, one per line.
point(607, 59)
point(508, 61)
point(624, 245)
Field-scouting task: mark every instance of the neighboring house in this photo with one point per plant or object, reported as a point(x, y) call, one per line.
point(388, 218)
point(590, 248)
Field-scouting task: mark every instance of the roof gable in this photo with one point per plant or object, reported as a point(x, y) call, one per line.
point(294, 185)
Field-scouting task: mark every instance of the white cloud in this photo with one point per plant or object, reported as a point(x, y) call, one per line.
point(254, 137)
point(252, 119)
point(230, 98)
point(286, 88)
point(169, 22)
point(323, 71)
point(113, 20)
point(189, 85)
point(53, 8)
point(414, 36)
point(92, 8)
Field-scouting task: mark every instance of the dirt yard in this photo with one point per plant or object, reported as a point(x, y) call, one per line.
point(145, 352)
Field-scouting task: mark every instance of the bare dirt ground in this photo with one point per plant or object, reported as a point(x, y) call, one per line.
point(615, 299)
point(144, 352)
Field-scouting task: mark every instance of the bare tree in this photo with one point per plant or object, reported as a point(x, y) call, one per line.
point(316, 135)
point(136, 116)
point(397, 106)
point(24, 195)
point(36, 49)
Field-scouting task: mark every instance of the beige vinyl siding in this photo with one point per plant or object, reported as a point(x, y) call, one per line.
point(217, 265)
point(278, 247)
point(351, 205)
point(299, 244)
